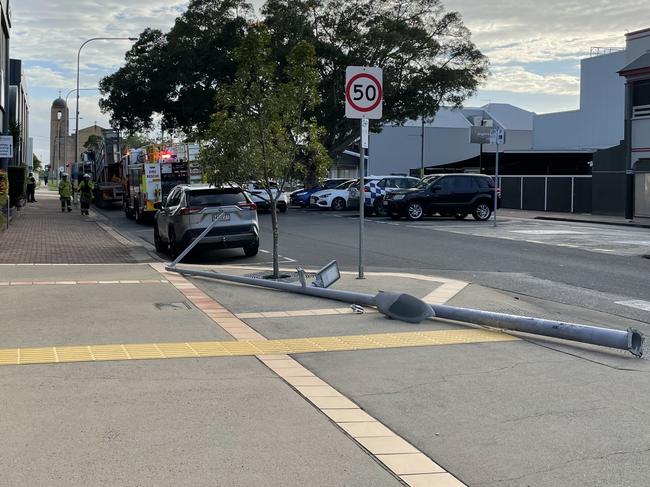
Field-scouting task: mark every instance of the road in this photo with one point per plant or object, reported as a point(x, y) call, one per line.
point(560, 265)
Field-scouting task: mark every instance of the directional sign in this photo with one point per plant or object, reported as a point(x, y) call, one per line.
point(364, 92)
point(497, 136)
point(480, 135)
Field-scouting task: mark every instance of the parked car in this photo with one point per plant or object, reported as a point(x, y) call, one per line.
point(335, 199)
point(448, 194)
point(188, 210)
point(301, 197)
point(260, 197)
point(377, 189)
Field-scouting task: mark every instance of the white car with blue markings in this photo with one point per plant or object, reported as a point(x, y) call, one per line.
point(377, 187)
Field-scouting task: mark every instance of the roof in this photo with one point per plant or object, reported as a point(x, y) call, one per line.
point(59, 103)
point(509, 116)
point(445, 118)
point(640, 64)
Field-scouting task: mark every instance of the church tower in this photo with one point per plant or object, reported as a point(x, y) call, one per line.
point(59, 130)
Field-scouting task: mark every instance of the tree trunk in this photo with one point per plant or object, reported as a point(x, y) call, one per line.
point(274, 225)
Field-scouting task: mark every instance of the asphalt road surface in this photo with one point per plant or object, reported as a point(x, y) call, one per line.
point(589, 265)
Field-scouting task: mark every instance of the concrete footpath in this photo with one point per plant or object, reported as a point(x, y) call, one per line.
point(116, 372)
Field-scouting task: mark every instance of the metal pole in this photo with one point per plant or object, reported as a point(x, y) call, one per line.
point(496, 184)
point(76, 135)
point(362, 201)
point(194, 243)
point(630, 340)
point(422, 152)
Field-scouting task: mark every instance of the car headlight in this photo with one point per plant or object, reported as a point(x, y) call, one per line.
point(302, 193)
point(397, 197)
point(326, 195)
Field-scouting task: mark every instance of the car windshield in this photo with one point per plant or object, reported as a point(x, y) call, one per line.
point(426, 182)
point(211, 197)
point(345, 185)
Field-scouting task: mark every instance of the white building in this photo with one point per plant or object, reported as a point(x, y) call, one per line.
point(398, 148)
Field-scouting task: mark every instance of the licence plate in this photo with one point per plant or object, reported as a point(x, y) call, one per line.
point(221, 217)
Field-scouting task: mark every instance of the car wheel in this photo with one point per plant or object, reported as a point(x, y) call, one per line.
point(482, 211)
point(128, 213)
point(338, 204)
point(460, 216)
point(415, 211)
point(160, 245)
point(251, 250)
point(174, 248)
point(380, 209)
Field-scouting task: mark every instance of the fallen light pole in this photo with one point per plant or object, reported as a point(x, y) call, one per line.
point(411, 309)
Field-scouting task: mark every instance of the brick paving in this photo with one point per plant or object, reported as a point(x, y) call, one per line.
point(44, 235)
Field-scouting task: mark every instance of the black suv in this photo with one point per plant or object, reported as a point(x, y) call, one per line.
point(448, 194)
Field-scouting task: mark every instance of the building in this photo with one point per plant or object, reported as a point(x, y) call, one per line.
point(18, 112)
point(400, 149)
point(5, 27)
point(62, 145)
point(636, 154)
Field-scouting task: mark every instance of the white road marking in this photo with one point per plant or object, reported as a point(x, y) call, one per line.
point(548, 232)
point(639, 304)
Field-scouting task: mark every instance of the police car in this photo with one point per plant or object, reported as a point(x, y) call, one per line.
point(377, 187)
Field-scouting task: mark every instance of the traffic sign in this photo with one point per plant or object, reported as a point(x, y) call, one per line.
point(497, 136)
point(364, 92)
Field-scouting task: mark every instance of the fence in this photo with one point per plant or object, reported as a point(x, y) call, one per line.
point(566, 194)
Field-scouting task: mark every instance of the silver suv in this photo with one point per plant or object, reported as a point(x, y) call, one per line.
point(188, 210)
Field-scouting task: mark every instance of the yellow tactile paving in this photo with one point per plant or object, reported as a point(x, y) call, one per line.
point(144, 351)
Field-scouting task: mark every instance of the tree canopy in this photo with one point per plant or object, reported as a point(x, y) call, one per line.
point(261, 130)
point(426, 53)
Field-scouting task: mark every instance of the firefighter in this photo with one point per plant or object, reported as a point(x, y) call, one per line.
point(65, 192)
point(86, 188)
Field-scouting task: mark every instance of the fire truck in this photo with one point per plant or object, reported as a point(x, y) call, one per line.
point(152, 172)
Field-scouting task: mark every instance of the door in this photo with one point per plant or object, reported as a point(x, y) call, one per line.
point(441, 195)
point(464, 189)
point(165, 216)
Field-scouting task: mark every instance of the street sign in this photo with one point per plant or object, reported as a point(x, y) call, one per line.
point(6, 146)
point(365, 126)
point(497, 136)
point(480, 134)
point(364, 92)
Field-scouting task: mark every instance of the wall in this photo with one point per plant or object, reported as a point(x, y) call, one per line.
point(600, 121)
point(398, 149)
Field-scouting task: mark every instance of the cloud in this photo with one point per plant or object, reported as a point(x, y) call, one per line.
point(517, 79)
point(514, 34)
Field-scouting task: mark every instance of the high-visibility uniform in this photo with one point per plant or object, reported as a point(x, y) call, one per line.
point(86, 195)
point(65, 194)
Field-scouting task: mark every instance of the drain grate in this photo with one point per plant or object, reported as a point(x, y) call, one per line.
point(174, 306)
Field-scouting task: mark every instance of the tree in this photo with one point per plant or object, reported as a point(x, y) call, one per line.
point(93, 143)
point(176, 75)
point(261, 130)
point(426, 54)
point(36, 163)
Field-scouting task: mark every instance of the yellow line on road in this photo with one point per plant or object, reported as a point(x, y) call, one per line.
point(146, 351)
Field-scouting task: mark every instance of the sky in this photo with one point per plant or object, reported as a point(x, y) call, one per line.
point(534, 47)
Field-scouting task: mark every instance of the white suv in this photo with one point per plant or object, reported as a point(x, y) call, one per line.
point(188, 210)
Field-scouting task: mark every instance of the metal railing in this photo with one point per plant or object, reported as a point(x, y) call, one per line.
point(641, 111)
point(546, 187)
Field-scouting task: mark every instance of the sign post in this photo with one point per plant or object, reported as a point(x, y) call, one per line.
point(497, 137)
point(363, 101)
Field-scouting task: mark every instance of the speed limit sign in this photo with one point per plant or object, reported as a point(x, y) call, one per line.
point(363, 92)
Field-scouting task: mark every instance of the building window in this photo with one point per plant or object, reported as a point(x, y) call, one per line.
point(641, 99)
